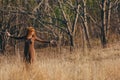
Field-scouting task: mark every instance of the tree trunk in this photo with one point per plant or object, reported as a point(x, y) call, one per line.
point(108, 19)
point(85, 17)
point(86, 36)
point(103, 27)
point(118, 14)
point(71, 40)
point(85, 25)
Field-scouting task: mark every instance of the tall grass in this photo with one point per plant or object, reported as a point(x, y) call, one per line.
point(97, 64)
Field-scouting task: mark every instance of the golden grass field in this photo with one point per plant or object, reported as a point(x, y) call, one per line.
point(97, 64)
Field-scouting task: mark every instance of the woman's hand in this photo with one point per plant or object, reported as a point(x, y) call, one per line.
point(8, 34)
point(53, 42)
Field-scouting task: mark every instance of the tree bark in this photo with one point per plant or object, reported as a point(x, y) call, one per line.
point(103, 27)
point(108, 19)
point(85, 26)
point(68, 25)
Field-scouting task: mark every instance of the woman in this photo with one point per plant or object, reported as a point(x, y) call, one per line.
point(30, 38)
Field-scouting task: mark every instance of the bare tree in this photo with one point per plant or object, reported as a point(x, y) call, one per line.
point(70, 25)
point(103, 23)
point(85, 25)
point(108, 18)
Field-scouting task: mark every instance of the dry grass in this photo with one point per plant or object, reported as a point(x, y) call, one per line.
point(98, 64)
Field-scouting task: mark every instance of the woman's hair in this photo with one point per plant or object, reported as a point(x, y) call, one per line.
point(31, 32)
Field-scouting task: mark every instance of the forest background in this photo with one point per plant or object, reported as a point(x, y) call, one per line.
point(87, 33)
point(76, 23)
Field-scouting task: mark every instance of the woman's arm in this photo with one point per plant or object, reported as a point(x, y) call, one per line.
point(21, 37)
point(42, 41)
point(53, 42)
point(9, 35)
